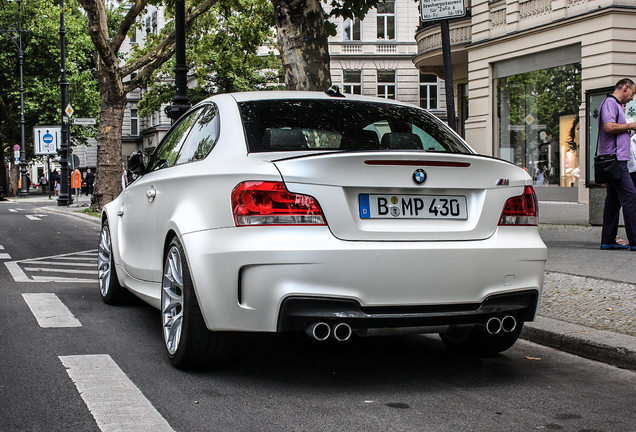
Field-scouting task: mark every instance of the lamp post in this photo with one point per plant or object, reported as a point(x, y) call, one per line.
point(24, 191)
point(65, 199)
point(181, 102)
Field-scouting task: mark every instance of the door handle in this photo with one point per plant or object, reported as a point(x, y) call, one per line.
point(151, 194)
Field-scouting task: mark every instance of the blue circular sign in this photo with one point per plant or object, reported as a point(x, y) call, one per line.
point(47, 138)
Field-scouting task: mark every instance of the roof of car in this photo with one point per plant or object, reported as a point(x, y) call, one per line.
point(268, 95)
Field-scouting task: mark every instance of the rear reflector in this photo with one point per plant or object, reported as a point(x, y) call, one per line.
point(521, 210)
point(270, 203)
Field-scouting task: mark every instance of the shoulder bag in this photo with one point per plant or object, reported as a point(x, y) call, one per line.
point(607, 168)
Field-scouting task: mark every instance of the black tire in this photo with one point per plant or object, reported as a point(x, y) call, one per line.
point(110, 289)
point(188, 342)
point(470, 340)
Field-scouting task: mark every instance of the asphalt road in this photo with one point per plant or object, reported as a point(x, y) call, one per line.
point(111, 367)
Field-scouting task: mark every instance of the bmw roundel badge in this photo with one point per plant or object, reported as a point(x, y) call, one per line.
point(419, 176)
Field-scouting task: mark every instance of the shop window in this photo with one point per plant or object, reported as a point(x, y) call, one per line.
point(537, 123)
point(386, 84)
point(352, 82)
point(428, 91)
point(386, 20)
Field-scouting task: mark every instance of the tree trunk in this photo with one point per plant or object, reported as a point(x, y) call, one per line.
point(302, 42)
point(14, 174)
point(109, 159)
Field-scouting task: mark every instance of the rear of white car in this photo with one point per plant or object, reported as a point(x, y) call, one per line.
point(330, 215)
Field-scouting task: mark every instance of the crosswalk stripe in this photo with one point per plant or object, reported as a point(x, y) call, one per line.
point(84, 263)
point(5, 256)
point(50, 311)
point(31, 217)
point(61, 263)
point(54, 270)
point(111, 397)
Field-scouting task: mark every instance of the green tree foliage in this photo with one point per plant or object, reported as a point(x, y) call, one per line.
point(223, 55)
point(41, 70)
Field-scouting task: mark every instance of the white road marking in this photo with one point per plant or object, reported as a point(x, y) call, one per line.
point(62, 263)
point(50, 311)
point(79, 260)
point(13, 210)
point(111, 397)
point(31, 217)
point(50, 270)
point(5, 256)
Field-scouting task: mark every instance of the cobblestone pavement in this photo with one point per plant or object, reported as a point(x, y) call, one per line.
point(591, 302)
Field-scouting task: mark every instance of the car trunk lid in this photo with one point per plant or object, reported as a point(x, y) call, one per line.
point(405, 196)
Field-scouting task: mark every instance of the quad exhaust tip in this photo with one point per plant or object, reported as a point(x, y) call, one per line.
point(494, 325)
point(341, 332)
point(321, 331)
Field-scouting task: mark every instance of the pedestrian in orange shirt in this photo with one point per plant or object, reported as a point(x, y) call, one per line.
point(76, 181)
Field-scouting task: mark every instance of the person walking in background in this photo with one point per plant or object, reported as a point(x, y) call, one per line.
point(58, 186)
point(43, 183)
point(614, 137)
point(90, 178)
point(77, 175)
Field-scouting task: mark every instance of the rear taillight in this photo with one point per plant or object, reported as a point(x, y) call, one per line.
point(521, 210)
point(270, 203)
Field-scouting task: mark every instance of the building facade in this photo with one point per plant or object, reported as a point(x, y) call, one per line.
point(374, 57)
point(535, 73)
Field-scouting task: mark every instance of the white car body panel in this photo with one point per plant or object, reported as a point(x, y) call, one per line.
point(242, 275)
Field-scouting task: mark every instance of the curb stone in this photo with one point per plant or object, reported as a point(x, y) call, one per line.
point(601, 345)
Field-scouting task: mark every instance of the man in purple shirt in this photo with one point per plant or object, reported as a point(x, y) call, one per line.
point(614, 137)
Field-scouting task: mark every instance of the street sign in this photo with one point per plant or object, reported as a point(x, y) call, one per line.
point(69, 110)
point(16, 147)
point(431, 10)
point(84, 121)
point(46, 139)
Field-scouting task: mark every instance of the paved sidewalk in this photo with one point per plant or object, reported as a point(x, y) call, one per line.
point(588, 306)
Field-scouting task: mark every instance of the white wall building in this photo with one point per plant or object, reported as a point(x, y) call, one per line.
point(374, 57)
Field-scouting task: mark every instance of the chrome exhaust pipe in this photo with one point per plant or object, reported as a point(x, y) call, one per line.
point(508, 324)
point(341, 332)
point(319, 331)
point(492, 326)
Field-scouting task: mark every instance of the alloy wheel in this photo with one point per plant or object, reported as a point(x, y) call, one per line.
point(172, 300)
point(104, 270)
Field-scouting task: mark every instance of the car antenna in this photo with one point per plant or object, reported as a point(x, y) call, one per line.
point(334, 91)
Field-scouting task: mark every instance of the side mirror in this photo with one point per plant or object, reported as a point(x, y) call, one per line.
point(136, 163)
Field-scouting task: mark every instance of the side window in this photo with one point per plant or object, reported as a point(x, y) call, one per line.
point(166, 154)
point(203, 137)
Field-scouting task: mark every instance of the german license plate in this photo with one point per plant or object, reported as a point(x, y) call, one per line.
point(412, 206)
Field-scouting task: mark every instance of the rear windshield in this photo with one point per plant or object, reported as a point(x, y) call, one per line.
point(300, 125)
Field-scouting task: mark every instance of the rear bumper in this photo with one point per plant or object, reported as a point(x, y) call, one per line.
point(297, 313)
point(247, 279)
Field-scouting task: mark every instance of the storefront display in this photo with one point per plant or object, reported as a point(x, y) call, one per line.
point(537, 124)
